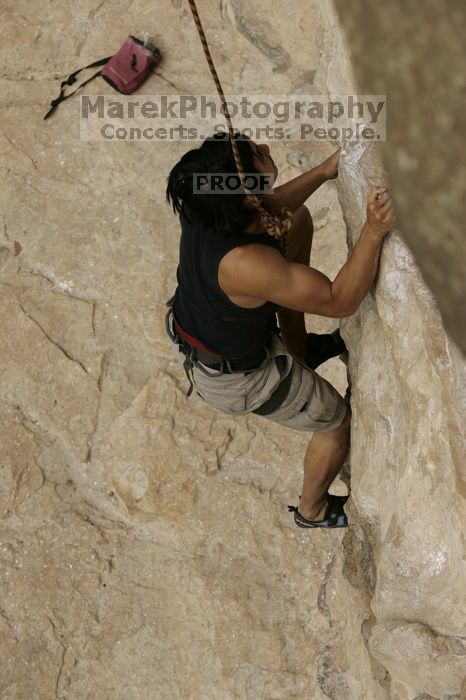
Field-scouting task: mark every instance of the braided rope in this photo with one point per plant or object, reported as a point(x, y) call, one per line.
point(273, 225)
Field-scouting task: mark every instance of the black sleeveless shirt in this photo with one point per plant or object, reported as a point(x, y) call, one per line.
point(202, 308)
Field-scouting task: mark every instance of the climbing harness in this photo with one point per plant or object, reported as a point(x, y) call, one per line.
point(274, 225)
point(207, 361)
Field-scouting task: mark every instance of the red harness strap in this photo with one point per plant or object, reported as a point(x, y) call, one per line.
point(192, 340)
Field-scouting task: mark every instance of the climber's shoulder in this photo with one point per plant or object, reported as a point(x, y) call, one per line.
point(238, 267)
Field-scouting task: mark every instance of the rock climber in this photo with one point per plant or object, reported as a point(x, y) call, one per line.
point(233, 280)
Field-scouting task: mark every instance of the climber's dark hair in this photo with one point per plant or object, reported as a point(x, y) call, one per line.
point(226, 212)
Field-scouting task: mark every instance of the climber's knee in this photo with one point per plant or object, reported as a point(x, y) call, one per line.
point(342, 431)
point(346, 422)
point(304, 223)
point(302, 216)
point(299, 239)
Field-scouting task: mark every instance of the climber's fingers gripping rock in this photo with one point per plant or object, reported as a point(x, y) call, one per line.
point(380, 214)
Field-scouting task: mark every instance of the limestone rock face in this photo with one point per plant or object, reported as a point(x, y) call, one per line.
point(415, 54)
point(407, 455)
point(146, 549)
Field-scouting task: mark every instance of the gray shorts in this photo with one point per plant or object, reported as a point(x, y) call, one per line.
point(308, 403)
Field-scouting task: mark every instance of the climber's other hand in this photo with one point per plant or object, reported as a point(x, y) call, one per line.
point(330, 166)
point(380, 216)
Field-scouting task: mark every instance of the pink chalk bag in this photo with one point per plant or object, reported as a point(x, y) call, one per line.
point(125, 71)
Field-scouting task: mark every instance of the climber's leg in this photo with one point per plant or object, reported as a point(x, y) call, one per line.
point(299, 244)
point(323, 460)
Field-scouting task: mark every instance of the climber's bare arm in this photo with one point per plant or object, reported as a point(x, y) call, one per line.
point(262, 273)
point(295, 192)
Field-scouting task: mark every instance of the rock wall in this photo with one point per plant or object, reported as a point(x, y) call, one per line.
point(407, 456)
point(146, 549)
point(415, 54)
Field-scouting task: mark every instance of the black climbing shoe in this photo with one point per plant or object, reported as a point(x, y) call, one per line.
point(334, 516)
point(322, 346)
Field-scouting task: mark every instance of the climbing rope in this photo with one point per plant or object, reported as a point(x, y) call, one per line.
point(274, 225)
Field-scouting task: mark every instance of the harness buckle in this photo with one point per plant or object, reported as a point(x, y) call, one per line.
point(188, 365)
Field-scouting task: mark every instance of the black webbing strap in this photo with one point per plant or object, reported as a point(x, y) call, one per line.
point(182, 345)
point(72, 79)
point(280, 393)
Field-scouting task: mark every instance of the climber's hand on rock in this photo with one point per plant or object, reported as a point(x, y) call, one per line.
point(380, 215)
point(330, 166)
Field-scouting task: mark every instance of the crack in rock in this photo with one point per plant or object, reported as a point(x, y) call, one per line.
point(100, 380)
point(257, 35)
point(57, 289)
point(321, 598)
point(54, 342)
